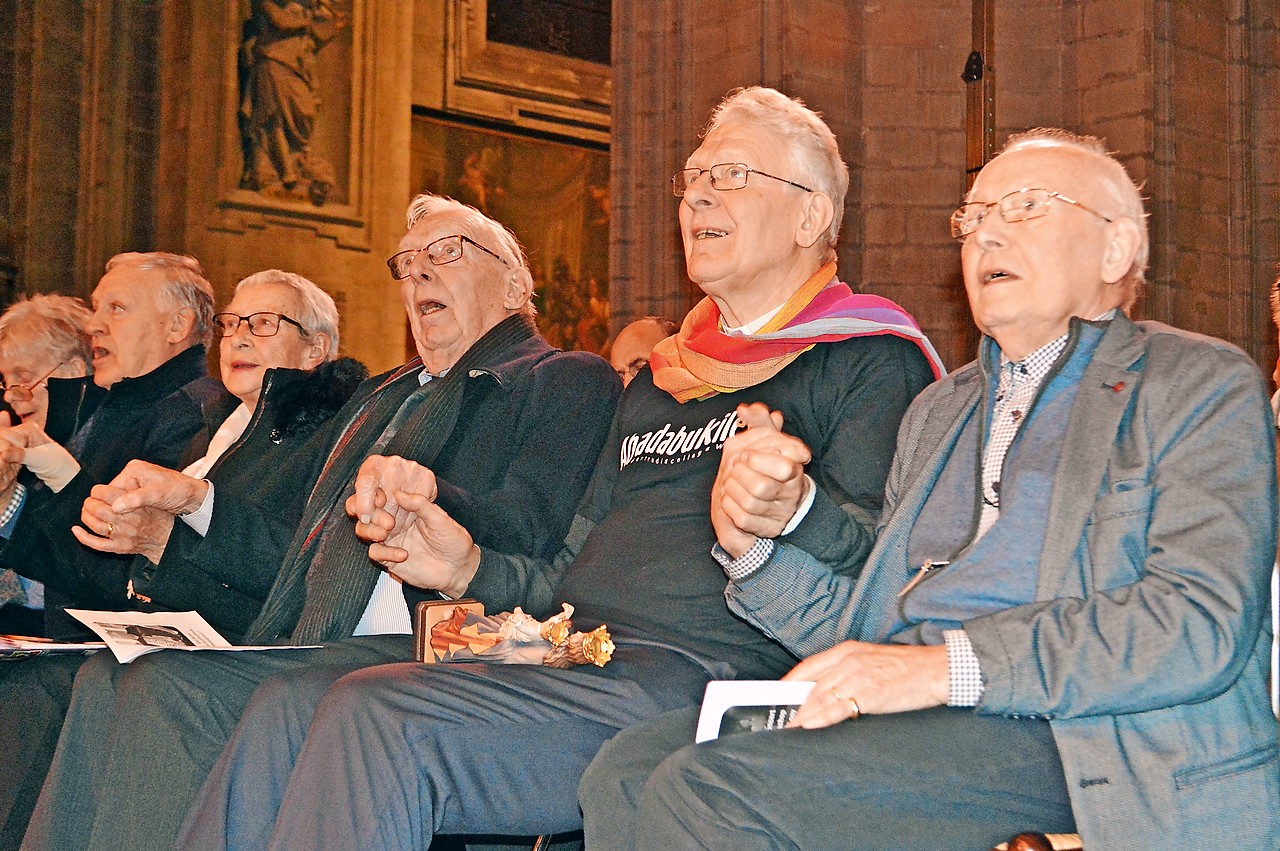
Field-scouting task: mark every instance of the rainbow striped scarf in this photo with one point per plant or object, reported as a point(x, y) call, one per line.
point(702, 360)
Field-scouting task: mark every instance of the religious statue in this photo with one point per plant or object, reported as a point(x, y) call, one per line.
point(278, 98)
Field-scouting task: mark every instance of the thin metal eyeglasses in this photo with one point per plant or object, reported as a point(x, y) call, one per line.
point(441, 252)
point(724, 177)
point(264, 323)
point(1020, 206)
point(24, 392)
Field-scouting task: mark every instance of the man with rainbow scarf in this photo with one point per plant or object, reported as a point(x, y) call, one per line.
point(1063, 626)
point(397, 753)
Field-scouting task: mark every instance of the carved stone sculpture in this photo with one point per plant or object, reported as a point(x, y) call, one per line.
point(279, 102)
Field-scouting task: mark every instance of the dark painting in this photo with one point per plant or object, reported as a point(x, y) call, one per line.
point(575, 28)
point(553, 196)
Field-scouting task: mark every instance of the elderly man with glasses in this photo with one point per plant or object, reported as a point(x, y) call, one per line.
point(415, 750)
point(498, 427)
point(1062, 625)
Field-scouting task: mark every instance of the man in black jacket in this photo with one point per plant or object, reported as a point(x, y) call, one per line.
point(507, 428)
point(151, 321)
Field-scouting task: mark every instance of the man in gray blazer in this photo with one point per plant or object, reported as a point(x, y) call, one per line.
point(1076, 543)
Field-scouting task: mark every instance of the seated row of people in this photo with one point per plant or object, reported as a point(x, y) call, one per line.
point(1046, 607)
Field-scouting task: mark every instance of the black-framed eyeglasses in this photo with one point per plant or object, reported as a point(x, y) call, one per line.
point(441, 252)
point(24, 392)
point(724, 176)
point(264, 323)
point(1020, 206)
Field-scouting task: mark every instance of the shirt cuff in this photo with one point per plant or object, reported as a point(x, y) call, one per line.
point(52, 463)
point(202, 516)
point(963, 669)
point(802, 510)
point(748, 563)
point(11, 512)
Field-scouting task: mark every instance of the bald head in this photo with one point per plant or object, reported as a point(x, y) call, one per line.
point(631, 348)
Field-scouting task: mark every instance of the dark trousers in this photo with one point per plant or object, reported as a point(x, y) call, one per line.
point(140, 738)
point(395, 754)
point(941, 778)
point(34, 694)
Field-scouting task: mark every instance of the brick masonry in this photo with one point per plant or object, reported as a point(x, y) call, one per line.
point(1185, 91)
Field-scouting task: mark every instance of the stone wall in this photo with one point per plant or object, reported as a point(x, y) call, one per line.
point(1185, 91)
point(117, 132)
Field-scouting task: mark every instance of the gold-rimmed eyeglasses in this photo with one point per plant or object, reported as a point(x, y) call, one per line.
point(23, 392)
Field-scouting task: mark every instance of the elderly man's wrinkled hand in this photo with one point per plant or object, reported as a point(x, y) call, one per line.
point(858, 678)
point(25, 435)
point(10, 465)
point(761, 480)
point(374, 504)
point(143, 530)
point(145, 485)
point(433, 551)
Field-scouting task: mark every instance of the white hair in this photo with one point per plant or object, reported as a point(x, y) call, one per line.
point(316, 311)
point(56, 325)
point(185, 285)
point(494, 234)
point(1117, 184)
point(813, 147)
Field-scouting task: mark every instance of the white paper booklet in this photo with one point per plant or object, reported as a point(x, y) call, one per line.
point(745, 706)
point(131, 634)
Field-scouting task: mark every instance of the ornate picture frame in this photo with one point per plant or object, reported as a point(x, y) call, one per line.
point(553, 194)
point(332, 194)
point(542, 90)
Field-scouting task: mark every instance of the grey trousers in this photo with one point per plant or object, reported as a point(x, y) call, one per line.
point(395, 754)
point(34, 694)
point(941, 778)
point(140, 738)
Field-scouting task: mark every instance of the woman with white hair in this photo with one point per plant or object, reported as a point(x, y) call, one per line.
point(278, 355)
point(44, 350)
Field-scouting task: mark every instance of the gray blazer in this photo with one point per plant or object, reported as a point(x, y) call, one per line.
point(1146, 648)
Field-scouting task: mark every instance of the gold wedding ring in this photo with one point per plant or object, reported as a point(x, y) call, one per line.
point(853, 704)
point(111, 529)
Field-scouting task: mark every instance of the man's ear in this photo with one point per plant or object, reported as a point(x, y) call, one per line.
point(181, 326)
point(519, 289)
point(817, 215)
point(1123, 238)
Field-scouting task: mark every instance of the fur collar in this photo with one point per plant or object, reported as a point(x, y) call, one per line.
point(310, 399)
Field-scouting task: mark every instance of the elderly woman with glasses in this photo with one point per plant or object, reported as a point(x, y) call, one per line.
point(41, 339)
point(279, 344)
point(278, 356)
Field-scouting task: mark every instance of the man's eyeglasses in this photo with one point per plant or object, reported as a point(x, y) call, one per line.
point(441, 252)
point(261, 324)
point(724, 177)
point(632, 369)
point(24, 392)
point(1020, 206)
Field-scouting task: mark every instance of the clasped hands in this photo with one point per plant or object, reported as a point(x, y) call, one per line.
point(760, 485)
point(14, 442)
point(134, 512)
point(412, 537)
